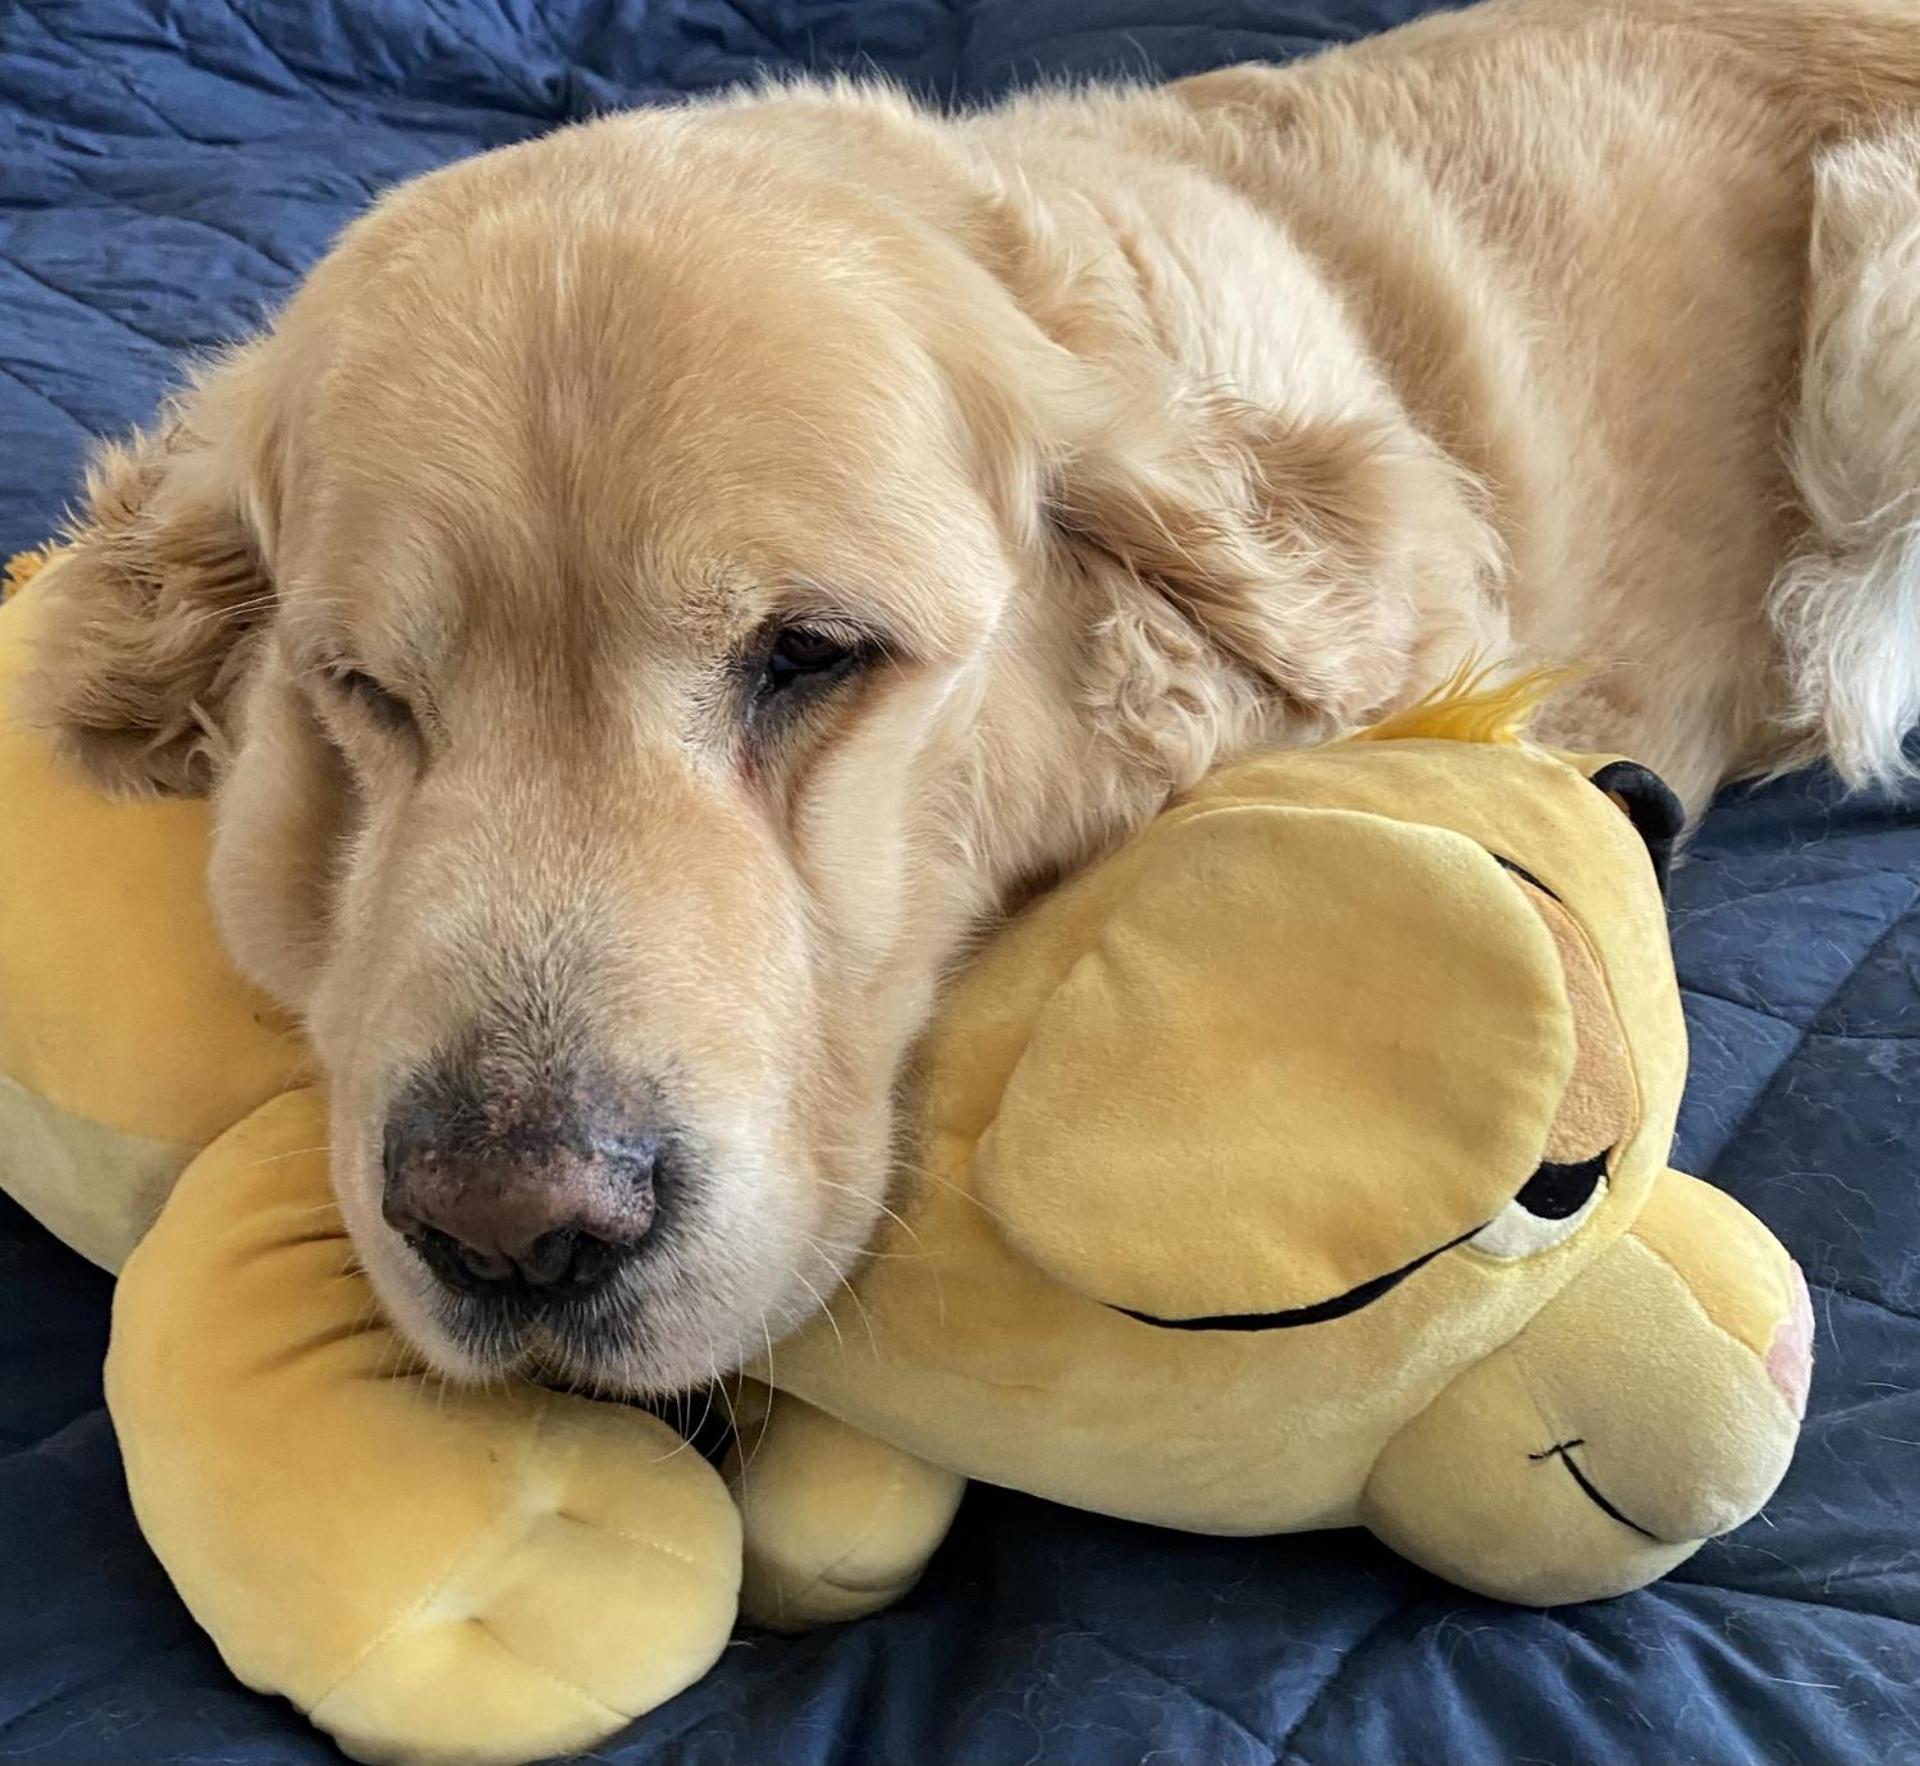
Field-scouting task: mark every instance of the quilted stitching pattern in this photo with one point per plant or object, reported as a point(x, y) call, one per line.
point(167, 168)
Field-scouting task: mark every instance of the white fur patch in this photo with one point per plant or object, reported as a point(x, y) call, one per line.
point(1848, 609)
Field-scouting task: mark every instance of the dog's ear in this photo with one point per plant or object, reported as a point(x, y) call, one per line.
point(153, 614)
point(1321, 555)
point(1326, 551)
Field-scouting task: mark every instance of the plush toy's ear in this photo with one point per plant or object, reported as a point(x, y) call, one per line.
point(1658, 816)
point(1178, 1136)
point(160, 597)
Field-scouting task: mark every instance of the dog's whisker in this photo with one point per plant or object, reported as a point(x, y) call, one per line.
point(823, 1310)
point(281, 1158)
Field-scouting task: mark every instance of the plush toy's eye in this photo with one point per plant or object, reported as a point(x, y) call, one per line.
point(1548, 1210)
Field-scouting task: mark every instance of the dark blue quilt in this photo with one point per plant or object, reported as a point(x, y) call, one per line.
point(167, 169)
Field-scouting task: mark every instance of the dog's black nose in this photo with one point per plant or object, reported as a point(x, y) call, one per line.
point(547, 1197)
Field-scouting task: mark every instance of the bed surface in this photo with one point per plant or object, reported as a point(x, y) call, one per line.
point(167, 169)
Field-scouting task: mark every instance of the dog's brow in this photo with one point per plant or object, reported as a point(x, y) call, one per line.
point(724, 600)
point(323, 632)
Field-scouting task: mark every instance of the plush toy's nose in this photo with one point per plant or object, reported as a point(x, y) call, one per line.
point(547, 1197)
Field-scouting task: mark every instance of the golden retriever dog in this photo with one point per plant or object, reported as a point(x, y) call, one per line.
point(657, 591)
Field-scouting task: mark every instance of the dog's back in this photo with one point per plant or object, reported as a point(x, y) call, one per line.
point(1575, 243)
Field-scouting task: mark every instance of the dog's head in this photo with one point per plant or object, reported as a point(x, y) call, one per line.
point(649, 595)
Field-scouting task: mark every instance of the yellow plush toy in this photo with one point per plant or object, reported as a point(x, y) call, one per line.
point(1301, 1165)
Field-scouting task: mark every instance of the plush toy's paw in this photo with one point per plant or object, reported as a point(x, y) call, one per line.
point(838, 1524)
point(433, 1573)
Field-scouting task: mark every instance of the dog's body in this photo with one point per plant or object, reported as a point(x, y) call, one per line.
point(657, 589)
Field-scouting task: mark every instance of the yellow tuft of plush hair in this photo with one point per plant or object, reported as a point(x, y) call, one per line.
point(22, 568)
point(1475, 704)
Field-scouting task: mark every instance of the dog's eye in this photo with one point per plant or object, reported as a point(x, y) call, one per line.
point(1550, 1208)
point(372, 696)
point(806, 653)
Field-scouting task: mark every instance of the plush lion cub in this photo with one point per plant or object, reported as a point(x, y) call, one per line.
point(1302, 1165)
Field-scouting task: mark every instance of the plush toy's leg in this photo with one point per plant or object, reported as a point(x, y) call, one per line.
point(1635, 1417)
point(837, 1523)
point(433, 1573)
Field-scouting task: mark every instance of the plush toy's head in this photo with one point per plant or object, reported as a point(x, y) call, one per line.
point(1424, 1023)
point(1243, 1148)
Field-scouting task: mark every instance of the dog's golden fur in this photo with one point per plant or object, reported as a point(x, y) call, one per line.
point(1124, 430)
